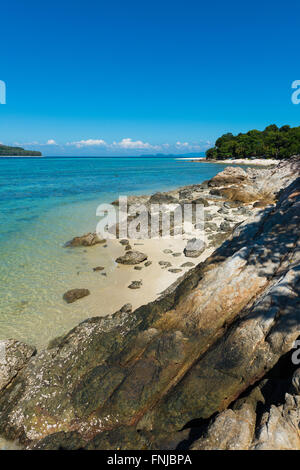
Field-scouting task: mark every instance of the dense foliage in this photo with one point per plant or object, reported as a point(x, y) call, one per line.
point(17, 152)
point(273, 142)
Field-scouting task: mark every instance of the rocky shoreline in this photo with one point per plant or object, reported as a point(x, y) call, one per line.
point(208, 365)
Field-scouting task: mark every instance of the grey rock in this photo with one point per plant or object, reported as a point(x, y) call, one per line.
point(231, 430)
point(296, 381)
point(211, 225)
point(135, 285)
point(194, 248)
point(225, 227)
point(188, 264)
point(165, 264)
point(162, 198)
point(132, 257)
point(98, 268)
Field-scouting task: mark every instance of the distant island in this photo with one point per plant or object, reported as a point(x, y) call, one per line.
point(272, 143)
point(172, 155)
point(6, 151)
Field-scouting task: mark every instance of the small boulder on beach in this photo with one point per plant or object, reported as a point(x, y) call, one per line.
point(162, 198)
point(188, 264)
point(135, 285)
point(194, 248)
point(165, 264)
point(132, 257)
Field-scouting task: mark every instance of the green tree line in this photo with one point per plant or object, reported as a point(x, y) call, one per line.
point(273, 142)
point(17, 152)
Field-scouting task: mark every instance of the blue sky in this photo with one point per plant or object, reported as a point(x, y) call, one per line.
point(133, 77)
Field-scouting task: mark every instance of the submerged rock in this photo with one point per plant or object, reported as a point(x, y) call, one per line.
point(74, 294)
point(89, 239)
point(98, 268)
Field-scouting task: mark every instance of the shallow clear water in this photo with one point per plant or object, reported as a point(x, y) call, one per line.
point(45, 202)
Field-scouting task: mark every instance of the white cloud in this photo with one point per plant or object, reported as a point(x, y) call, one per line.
point(125, 144)
point(190, 146)
point(182, 144)
point(89, 143)
point(135, 144)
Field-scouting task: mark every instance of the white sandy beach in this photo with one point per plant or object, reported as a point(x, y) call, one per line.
point(236, 161)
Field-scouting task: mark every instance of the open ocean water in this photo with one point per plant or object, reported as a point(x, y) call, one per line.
point(44, 202)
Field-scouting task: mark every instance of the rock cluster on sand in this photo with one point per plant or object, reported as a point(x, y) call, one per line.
point(206, 366)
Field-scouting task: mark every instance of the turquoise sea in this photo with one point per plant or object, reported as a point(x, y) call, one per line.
point(46, 201)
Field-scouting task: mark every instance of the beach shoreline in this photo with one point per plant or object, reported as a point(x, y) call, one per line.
point(234, 161)
point(109, 287)
point(221, 216)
